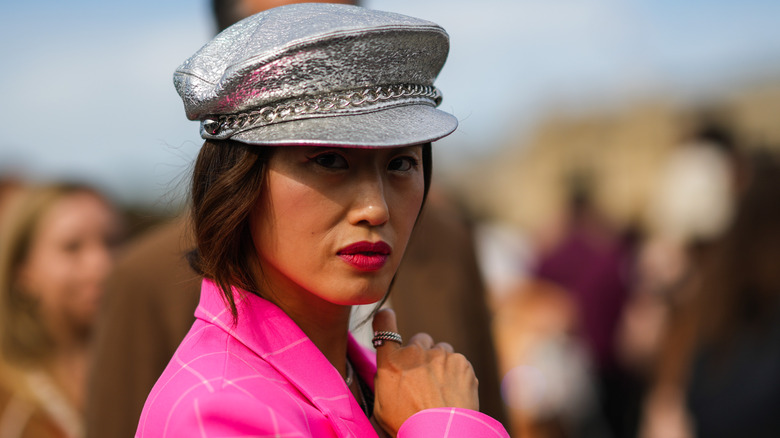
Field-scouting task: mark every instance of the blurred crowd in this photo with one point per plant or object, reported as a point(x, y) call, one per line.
point(664, 329)
point(669, 328)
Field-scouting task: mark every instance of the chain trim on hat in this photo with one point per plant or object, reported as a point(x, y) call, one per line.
point(323, 104)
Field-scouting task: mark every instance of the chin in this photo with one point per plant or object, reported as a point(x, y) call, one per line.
point(369, 300)
point(376, 290)
point(368, 295)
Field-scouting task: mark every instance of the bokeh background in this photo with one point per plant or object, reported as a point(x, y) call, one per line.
point(584, 166)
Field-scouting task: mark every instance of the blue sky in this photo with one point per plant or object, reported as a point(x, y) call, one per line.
point(86, 85)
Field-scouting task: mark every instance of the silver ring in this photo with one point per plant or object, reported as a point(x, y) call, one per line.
point(381, 336)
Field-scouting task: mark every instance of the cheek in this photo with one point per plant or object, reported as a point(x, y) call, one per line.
point(47, 277)
point(292, 220)
point(406, 208)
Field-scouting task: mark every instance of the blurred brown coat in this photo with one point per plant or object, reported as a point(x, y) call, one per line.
point(147, 309)
point(439, 291)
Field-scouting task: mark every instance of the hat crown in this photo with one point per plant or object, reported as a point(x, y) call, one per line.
point(306, 50)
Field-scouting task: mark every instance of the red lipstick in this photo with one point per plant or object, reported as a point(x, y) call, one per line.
point(366, 256)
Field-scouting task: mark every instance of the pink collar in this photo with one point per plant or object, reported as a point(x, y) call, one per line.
point(266, 330)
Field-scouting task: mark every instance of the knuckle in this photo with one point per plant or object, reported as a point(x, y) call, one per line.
point(445, 346)
point(421, 339)
point(459, 358)
point(438, 357)
point(413, 349)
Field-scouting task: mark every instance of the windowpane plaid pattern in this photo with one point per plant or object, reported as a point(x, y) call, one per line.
point(264, 378)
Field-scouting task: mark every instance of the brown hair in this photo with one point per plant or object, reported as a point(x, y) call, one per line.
point(741, 282)
point(226, 183)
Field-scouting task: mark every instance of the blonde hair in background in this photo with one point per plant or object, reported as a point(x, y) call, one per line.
point(23, 338)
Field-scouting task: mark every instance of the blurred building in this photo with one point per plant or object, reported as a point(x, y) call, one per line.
point(624, 148)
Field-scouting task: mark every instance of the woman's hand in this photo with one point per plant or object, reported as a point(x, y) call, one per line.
point(420, 375)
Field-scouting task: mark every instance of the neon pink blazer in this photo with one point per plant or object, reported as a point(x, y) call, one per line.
point(265, 378)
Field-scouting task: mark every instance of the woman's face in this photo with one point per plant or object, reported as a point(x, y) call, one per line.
point(333, 223)
point(68, 260)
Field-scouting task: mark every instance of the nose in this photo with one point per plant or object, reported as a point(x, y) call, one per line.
point(369, 206)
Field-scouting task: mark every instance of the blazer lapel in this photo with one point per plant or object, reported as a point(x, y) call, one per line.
point(271, 334)
point(364, 361)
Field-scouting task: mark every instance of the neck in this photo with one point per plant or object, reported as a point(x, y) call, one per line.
point(328, 331)
point(325, 323)
point(69, 359)
point(68, 368)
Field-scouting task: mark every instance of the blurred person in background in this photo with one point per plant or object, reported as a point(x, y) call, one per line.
point(692, 204)
point(691, 207)
point(592, 261)
point(227, 12)
point(547, 384)
point(56, 249)
point(719, 373)
point(153, 292)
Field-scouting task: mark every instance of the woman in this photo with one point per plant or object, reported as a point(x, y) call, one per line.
point(318, 121)
point(56, 248)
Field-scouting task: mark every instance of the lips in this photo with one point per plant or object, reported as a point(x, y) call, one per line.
point(366, 256)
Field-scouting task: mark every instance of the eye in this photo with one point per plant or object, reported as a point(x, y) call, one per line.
point(330, 160)
point(72, 246)
point(402, 164)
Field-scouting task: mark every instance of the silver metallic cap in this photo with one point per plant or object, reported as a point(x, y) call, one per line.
point(319, 74)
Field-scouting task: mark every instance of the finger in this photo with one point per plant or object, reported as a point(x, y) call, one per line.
point(384, 320)
point(423, 340)
point(444, 346)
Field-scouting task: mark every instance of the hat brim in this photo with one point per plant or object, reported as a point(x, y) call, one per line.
point(390, 127)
